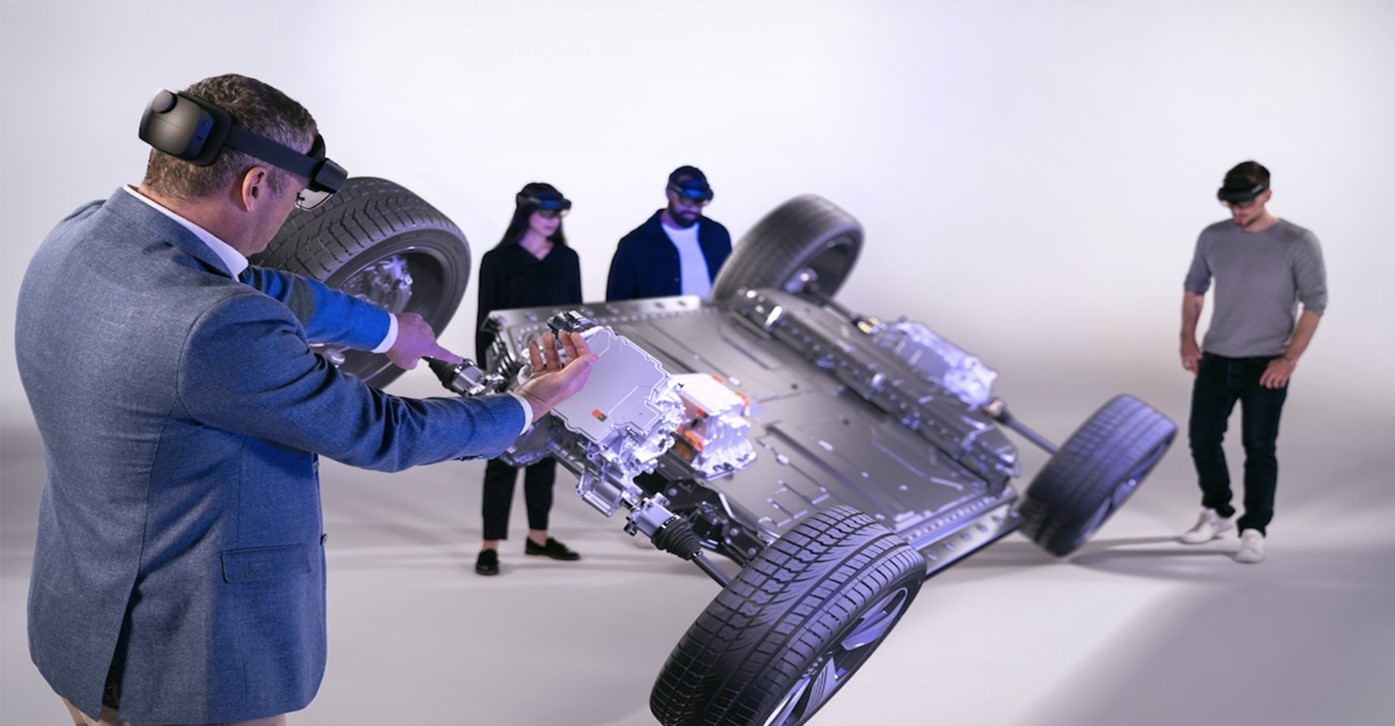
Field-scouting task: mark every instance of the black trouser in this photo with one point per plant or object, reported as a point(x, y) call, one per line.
point(499, 480)
point(1220, 382)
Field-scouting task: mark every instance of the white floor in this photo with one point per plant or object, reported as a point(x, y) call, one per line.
point(1133, 629)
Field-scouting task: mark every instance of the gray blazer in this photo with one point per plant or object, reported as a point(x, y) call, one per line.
point(180, 537)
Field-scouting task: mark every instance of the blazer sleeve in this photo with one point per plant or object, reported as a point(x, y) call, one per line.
point(329, 316)
point(246, 368)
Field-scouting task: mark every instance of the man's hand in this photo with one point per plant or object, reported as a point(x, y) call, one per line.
point(1280, 369)
point(416, 339)
point(1277, 373)
point(1192, 303)
point(1191, 354)
point(552, 382)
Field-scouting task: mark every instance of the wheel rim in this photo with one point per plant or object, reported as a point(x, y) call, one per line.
point(827, 269)
point(387, 282)
point(831, 669)
point(409, 280)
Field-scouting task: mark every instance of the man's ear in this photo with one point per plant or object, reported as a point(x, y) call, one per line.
point(255, 188)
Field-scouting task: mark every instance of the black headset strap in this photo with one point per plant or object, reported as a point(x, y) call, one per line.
point(272, 152)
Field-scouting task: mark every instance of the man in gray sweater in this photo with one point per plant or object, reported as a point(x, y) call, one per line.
point(1263, 268)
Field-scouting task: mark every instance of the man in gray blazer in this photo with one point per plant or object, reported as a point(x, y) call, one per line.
point(179, 572)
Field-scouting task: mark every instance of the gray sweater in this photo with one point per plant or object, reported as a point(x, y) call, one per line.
point(1260, 279)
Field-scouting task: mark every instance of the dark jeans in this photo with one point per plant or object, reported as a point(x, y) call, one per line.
point(499, 480)
point(1220, 382)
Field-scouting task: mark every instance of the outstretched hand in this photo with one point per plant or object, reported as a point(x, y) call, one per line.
point(416, 340)
point(553, 382)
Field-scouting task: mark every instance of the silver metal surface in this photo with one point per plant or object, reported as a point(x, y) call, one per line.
point(832, 418)
point(386, 282)
point(630, 406)
point(938, 360)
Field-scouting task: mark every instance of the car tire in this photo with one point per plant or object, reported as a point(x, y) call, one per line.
point(382, 243)
point(1093, 473)
point(792, 627)
point(807, 234)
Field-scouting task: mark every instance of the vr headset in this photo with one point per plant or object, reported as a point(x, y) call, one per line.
point(1232, 193)
point(190, 128)
point(544, 202)
point(693, 190)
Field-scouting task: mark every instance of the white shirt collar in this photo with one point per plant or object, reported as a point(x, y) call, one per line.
point(232, 258)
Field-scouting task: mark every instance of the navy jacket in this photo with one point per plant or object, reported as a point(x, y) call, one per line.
point(646, 262)
point(182, 411)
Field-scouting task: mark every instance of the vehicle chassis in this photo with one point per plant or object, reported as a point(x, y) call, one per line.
point(839, 459)
point(812, 372)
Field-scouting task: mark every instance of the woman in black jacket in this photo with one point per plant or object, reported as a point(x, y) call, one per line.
point(531, 266)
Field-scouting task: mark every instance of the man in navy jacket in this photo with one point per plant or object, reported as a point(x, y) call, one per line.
point(179, 573)
point(677, 251)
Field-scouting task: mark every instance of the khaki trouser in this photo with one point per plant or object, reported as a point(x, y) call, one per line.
point(109, 718)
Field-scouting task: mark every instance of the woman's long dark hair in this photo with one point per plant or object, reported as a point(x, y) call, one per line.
point(523, 210)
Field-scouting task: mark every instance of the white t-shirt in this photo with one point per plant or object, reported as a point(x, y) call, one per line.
point(692, 264)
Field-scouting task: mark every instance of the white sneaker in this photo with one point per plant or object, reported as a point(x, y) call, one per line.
point(1208, 526)
point(1251, 546)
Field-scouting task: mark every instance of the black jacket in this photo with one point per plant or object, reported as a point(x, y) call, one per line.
point(511, 278)
point(646, 262)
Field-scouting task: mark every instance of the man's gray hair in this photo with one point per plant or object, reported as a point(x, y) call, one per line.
point(254, 106)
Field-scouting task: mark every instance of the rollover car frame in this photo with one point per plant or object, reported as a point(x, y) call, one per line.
point(838, 458)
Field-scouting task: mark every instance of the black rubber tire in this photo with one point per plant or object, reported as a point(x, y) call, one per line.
point(1093, 473)
point(792, 627)
point(805, 233)
point(368, 221)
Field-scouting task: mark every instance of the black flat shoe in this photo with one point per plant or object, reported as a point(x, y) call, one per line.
point(554, 549)
point(487, 563)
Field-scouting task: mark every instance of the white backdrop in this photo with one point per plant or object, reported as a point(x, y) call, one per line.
point(1031, 175)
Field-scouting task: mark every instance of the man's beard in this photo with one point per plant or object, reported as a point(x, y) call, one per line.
point(683, 219)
